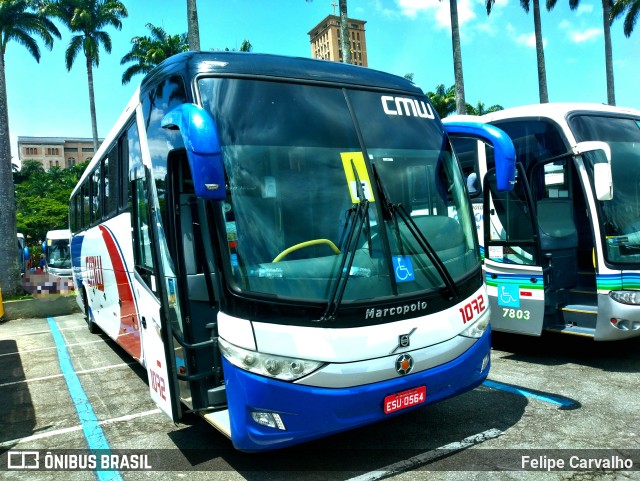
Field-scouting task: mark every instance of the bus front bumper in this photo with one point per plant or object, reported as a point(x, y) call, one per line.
point(305, 413)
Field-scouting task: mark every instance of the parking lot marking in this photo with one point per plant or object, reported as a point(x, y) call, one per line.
point(20, 334)
point(24, 351)
point(93, 433)
point(563, 402)
point(429, 456)
point(56, 432)
point(53, 376)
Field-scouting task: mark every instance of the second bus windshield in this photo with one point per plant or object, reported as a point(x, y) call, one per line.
point(292, 155)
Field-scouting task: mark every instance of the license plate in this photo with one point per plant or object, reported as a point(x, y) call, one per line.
point(405, 399)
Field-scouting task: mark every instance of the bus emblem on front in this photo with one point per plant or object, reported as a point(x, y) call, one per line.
point(404, 364)
point(403, 340)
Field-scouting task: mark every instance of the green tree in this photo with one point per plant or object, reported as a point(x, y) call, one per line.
point(537, 26)
point(443, 100)
point(245, 46)
point(632, 9)
point(86, 20)
point(193, 29)
point(480, 109)
point(36, 214)
point(149, 51)
point(20, 23)
point(607, 17)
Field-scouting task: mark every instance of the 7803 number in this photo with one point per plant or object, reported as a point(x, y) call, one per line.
point(516, 313)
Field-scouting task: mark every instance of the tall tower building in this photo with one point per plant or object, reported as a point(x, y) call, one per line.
point(325, 40)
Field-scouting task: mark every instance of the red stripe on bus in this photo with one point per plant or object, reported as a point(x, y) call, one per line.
point(129, 332)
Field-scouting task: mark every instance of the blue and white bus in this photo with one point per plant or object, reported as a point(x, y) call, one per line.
point(286, 244)
point(562, 249)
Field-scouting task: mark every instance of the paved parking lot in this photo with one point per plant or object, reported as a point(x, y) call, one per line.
point(551, 399)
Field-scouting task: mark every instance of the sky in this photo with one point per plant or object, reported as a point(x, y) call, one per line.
point(403, 36)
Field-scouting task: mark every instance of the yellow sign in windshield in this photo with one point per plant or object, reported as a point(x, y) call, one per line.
point(349, 161)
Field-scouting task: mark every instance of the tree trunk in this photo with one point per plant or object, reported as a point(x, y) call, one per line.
point(608, 55)
point(542, 70)
point(9, 270)
point(193, 29)
point(461, 104)
point(345, 45)
point(92, 105)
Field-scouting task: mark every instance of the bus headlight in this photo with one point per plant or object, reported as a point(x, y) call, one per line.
point(269, 365)
point(626, 297)
point(476, 330)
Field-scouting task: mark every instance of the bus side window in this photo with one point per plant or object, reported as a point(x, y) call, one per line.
point(96, 196)
point(139, 206)
point(86, 205)
point(110, 184)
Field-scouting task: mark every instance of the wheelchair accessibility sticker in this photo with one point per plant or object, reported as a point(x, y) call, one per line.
point(403, 269)
point(509, 295)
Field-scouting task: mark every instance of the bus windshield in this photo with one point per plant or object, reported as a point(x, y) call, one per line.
point(58, 253)
point(294, 155)
point(621, 215)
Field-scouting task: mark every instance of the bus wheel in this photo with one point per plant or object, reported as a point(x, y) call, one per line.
point(88, 316)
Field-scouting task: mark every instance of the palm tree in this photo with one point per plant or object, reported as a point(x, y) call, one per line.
point(148, 52)
point(537, 25)
point(632, 7)
point(443, 100)
point(193, 30)
point(457, 57)
point(86, 20)
point(18, 23)
point(607, 18)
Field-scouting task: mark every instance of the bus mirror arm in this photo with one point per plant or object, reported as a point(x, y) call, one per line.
point(200, 138)
point(505, 152)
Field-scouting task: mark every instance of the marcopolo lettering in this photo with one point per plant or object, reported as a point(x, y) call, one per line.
point(395, 311)
point(406, 106)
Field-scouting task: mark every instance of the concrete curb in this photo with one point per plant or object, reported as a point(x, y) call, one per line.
point(41, 307)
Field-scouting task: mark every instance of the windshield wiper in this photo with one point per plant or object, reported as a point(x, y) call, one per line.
point(392, 211)
point(358, 219)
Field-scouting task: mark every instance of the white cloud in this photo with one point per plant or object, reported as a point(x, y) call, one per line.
point(580, 36)
point(440, 10)
point(585, 35)
point(584, 9)
point(527, 39)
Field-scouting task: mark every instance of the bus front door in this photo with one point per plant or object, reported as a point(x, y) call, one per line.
point(514, 274)
point(156, 326)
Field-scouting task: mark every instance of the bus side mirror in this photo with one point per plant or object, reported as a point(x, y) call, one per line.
point(504, 151)
point(202, 145)
point(602, 177)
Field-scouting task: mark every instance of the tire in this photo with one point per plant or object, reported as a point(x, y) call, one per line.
point(88, 316)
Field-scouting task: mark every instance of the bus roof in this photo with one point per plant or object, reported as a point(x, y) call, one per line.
point(251, 65)
point(275, 66)
point(557, 111)
point(59, 234)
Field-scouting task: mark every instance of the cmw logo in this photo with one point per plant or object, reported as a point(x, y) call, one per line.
point(406, 106)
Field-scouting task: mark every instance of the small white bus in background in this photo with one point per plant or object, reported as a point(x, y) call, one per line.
point(562, 249)
point(57, 252)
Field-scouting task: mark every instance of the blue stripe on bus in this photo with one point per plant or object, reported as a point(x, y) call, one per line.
point(96, 440)
point(563, 402)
